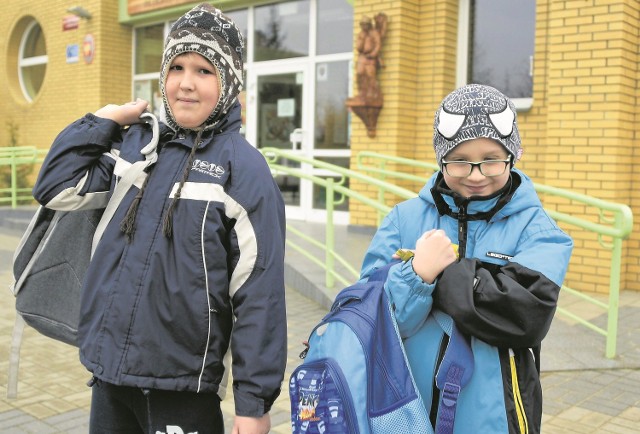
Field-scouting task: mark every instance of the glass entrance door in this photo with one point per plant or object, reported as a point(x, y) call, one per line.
point(282, 107)
point(276, 119)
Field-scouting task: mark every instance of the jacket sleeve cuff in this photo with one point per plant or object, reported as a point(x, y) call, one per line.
point(418, 286)
point(249, 405)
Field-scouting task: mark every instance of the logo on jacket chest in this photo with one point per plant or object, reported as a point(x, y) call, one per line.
point(207, 168)
point(499, 256)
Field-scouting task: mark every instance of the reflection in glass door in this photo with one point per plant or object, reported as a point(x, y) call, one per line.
point(279, 123)
point(298, 61)
point(289, 107)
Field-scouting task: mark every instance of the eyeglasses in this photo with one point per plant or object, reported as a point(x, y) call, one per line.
point(462, 169)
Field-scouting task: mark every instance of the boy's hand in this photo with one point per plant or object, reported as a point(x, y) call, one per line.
point(434, 252)
point(125, 114)
point(251, 425)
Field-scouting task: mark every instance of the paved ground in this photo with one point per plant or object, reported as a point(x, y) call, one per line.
point(584, 391)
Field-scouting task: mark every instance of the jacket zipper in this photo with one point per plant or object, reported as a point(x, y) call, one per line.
point(462, 231)
point(517, 398)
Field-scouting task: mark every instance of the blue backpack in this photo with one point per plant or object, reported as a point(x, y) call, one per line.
point(355, 378)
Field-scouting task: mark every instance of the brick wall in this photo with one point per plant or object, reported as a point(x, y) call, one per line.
point(580, 133)
point(588, 138)
point(70, 89)
point(419, 71)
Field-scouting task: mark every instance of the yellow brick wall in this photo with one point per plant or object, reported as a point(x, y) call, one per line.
point(580, 133)
point(419, 71)
point(590, 99)
point(630, 152)
point(69, 90)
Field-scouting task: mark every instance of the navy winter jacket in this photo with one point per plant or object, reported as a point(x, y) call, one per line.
point(502, 293)
point(161, 312)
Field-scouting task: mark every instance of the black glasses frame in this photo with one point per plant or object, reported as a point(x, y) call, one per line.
point(473, 164)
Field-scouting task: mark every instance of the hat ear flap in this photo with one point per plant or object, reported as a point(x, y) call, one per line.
point(449, 124)
point(503, 121)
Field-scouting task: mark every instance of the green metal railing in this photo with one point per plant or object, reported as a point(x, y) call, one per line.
point(383, 173)
point(615, 222)
point(336, 193)
point(13, 157)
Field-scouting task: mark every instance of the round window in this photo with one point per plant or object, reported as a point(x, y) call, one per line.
point(32, 60)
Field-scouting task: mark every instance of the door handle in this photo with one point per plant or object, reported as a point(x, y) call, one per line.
point(296, 139)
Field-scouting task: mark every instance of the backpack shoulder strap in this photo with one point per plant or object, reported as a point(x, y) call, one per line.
point(361, 290)
point(14, 357)
point(454, 374)
point(380, 274)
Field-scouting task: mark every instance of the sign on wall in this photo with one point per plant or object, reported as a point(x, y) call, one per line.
point(88, 48)
point(70, 22)
point(73, 53)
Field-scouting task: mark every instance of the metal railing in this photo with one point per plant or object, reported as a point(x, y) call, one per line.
point(336, 193)
point(383, 173)
point(615, 222)
point(14, 157)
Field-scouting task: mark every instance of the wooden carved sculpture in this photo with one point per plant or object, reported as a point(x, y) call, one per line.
point(368, 103)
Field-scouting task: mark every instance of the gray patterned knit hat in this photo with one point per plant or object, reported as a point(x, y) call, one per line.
point(207, 31)
point(475, 111)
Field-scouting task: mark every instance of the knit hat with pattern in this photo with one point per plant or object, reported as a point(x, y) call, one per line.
point(207, 31)
point(475, 111)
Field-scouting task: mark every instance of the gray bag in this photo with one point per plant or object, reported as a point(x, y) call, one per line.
point(52, 258)
point(49, 280)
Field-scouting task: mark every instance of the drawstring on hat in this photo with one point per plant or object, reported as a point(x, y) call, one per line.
point(207, 31)
point(150, 157)
point(127, 225)
point(167, 224)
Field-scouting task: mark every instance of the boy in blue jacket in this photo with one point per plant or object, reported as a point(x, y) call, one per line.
point(191, 264)
point(501, 289)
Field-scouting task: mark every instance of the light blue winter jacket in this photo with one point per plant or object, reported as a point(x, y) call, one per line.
point(502, 292)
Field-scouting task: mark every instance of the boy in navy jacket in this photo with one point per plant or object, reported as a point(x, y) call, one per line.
point(191, 264)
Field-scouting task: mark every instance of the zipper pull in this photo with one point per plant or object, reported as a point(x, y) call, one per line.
point(304, 352)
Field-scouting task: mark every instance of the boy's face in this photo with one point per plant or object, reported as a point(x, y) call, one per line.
point(476, 184)
point(192, 89)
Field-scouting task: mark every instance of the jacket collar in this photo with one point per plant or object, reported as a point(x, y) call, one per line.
point(450, 203)
point(230, 123)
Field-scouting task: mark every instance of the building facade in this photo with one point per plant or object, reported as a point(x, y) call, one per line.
point(571, 67)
